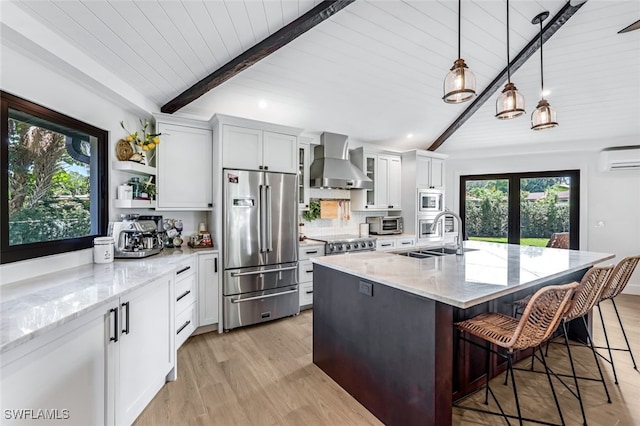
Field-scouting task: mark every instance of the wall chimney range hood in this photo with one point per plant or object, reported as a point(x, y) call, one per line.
point(331, 167)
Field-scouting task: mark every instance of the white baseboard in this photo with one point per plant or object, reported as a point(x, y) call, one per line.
point(632, 289)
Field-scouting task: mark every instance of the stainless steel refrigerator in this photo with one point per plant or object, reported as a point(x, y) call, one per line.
point(260, 247)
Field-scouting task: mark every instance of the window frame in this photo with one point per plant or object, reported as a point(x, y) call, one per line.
point(513, 233)
point(8, 253)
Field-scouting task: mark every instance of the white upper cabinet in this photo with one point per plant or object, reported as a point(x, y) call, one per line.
point(429, 172)
point(385, 170)
point(304, 160)
point(185, 175)
point(255, 149)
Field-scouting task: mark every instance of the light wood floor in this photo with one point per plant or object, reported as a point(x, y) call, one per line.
point(264, 375)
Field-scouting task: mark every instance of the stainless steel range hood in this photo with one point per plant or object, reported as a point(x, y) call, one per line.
point(331, 167)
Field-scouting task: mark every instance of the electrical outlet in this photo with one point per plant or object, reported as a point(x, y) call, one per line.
point(366, 288)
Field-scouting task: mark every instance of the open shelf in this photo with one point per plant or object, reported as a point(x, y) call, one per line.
point(133, 167)
point(134, 204)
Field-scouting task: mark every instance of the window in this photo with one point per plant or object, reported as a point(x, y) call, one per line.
point(534, 209)
point(53, 181)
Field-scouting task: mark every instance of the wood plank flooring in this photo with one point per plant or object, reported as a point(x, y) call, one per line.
point(264, 375)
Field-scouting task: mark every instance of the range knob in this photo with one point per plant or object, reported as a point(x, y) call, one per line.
point(331, 247)
point(370, 244)
point(363, 244)
point(348, 246)
point(338, 246)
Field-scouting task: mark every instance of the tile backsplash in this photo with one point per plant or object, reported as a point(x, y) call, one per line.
point(334, 226)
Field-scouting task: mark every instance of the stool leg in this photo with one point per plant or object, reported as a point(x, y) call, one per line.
point(488, 366)
point(624, 334)
point(606, 338)
point(513, 383)
point(595, 357)
point(573, 370)
point(553, 391)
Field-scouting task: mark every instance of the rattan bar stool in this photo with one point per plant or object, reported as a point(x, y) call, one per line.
point(539, 320)
point(617, 282)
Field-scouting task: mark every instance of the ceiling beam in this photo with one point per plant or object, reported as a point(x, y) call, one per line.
point(532, 47)
point(261, 50)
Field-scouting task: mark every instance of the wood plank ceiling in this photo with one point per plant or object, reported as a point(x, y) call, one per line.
point(373, 71)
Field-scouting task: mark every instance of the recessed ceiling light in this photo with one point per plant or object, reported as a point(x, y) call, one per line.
point(263, 104)
point(410, 135)
point(546, 92)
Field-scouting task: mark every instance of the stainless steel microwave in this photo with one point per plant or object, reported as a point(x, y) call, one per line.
point(430, 201)
point(380, 225)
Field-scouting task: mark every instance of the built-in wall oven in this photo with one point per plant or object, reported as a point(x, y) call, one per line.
point(430, 201)
point(426, 232)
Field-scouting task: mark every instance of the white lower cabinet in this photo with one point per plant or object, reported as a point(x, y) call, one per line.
point(208, 288)
point(64, 372)
point(146, 347)
point(405, 242)
point(305, 272)
point(186, 300)
point(103, 367)
point(385, 244)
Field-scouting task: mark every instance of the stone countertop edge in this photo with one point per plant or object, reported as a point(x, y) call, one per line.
point(484, 291)
point(32, 297)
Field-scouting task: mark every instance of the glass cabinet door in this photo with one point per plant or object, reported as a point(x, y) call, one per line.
point(370, 170)
point(304, 151)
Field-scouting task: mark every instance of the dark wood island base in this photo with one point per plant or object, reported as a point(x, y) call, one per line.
point(394, 351)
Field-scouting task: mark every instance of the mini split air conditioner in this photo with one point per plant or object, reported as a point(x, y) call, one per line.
point(620, 158)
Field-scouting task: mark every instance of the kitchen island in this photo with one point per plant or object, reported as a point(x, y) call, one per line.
point(383, 323)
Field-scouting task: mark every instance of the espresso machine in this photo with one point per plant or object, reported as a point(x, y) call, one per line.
point(135, 237)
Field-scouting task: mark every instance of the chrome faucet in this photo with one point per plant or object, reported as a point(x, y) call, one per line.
point(459, 248)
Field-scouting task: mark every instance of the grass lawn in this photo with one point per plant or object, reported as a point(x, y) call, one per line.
point(537, 242)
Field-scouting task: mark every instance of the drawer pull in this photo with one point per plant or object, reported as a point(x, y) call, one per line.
point(183, 326)
point(186, 268)
point(385, 245)
point(183, 295)
point(309, 272)
point(404, 243)
point(266, 271)
point(309, 291)
point(248, 299)
point(311, 252)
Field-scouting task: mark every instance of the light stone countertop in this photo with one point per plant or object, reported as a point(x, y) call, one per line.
point(32, 307)
point(487, 272)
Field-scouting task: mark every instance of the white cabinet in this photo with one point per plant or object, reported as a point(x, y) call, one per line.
point(385, 171)
point(385, 243)
point(146, 347)
point(304, 152)
point(208, 289)
point(65, 370)
point(256, 149)
point(394, 243)
point(186, 295)
point(184, 157)
point(305, 271)
point(429, 172)
point(103, 367)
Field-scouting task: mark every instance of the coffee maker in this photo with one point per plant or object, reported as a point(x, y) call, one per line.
point(134, 237)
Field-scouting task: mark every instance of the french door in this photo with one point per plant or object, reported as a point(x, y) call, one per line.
point(534, 209)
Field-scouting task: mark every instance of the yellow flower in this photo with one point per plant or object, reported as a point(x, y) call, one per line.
point(151, 145)
point(129, 138)
point(155, 140)
point(145, 148)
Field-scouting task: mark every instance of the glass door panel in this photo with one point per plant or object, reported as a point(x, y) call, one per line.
point(545, 211)
point(487, 210)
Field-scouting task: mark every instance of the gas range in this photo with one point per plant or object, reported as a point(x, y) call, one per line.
point(346, 243)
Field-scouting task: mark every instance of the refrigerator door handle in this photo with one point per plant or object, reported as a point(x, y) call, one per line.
point(269, 239)
point(262, 225)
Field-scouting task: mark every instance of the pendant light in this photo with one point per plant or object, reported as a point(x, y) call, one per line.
point(510, 103)
point(544, 117)
point(460, 83)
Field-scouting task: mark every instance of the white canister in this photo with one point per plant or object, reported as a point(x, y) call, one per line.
point(363, 230)
point(103, 250)
point(125, 192)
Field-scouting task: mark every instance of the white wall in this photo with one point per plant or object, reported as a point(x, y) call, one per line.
point(609, 197)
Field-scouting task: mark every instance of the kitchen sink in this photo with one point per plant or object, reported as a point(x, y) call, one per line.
point(431, 252)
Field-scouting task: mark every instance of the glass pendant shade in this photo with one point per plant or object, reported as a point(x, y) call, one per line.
point(510, 103)
point(544, 117)
point(459, 84)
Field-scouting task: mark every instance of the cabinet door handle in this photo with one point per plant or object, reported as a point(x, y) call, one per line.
point(209, 204)
point(260, 167)
point(266, 167)
point(215, 264)
point(183, 326)
point(390, 207)
point(126, 329)
point(309, 291)
point(309, 272)
point(183, 295)
point(115, 324)
point(186, 268)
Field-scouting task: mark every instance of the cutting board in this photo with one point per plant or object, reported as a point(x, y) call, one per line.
point(328, 209)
